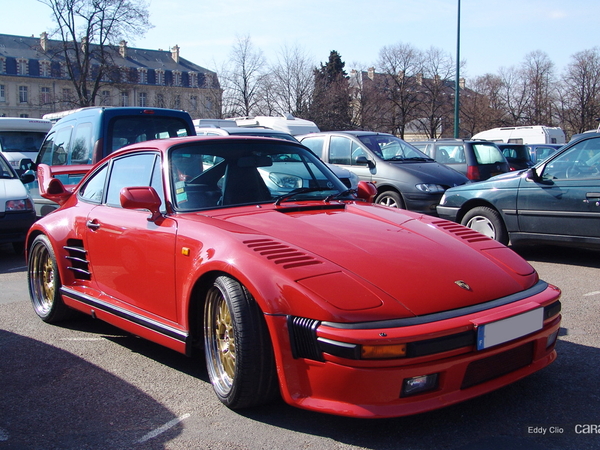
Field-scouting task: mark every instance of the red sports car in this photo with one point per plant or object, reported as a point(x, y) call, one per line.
point(293, 285)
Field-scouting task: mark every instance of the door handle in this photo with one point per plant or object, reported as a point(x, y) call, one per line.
point(92, 225)
point(592, 197)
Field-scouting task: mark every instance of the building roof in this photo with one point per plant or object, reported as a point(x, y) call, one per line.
point(31, 48)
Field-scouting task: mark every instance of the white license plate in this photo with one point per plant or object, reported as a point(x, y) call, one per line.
point(495, 333)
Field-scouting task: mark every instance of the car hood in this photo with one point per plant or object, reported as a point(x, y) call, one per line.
point(11, 189)
point(431, 172)
point(417, 263)
point(505, 180)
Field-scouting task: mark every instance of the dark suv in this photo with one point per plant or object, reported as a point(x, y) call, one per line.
point(478, 160)
point(404, 177)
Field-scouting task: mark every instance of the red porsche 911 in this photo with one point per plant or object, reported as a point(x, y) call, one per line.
point(252, 251)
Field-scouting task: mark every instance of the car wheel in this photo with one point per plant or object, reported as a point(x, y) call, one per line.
point(487, 221)
point(44, 282)
point(238, 350)
point(391, 199)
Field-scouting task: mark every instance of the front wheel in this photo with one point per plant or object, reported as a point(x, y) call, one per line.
point(44, 282)
point(238, 350)
point(488, 222)
point(391, 199)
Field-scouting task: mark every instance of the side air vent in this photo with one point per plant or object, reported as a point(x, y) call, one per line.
point(281, 254)
point(461, 231)
point(303, 337)
point(77, 257)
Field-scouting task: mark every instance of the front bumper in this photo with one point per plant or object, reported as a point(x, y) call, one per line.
point(447, 212)
point(374, 388)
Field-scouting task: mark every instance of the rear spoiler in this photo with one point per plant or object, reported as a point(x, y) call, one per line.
point(51, 187)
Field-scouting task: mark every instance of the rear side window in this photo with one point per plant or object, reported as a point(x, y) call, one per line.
point(81, 146)
point(315, 144)
point(488, 154)
point(127, 130)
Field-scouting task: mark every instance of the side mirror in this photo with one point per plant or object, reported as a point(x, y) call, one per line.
point(141, 197)
point(364, 161)
point(27, 177)
point(533, 175)
point(366, 191)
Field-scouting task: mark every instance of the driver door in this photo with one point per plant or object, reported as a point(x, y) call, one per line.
point(567, 199)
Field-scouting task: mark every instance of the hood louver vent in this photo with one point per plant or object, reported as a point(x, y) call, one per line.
point(77, 257)
point(461, 231)
point(281, 254)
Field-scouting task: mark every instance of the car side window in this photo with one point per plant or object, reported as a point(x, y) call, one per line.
point(55, 147)
point(81, 147)
point(315, 144)
point(580, 161)
point(133, 170)
point(93, 189)
point(344, 151)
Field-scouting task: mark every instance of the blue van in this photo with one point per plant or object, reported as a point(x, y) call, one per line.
point(87, 135)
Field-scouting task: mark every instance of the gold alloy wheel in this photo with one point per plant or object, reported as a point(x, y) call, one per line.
point(42, 279)
point(219, 342)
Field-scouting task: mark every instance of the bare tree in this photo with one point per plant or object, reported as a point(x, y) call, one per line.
point(514, 96)
point(402, 68)
point(89, 30)
point(538, 79)
point(481, 106)
point(580, 93)
point(436, 108)
point(242, 80)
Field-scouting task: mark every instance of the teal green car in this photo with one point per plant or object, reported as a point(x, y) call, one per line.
point(555, 202)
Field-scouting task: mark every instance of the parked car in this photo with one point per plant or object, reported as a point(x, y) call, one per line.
point(557, 201)
point(478, 160)
point(87, 135)
point(313, 294)
point(404, 177)
point(350, 179)
point(517, 155)
point(16, 207)
point(20, 140)
point(540, 152)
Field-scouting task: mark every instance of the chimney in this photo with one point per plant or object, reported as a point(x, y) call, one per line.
point(419, 78)
point(371, 72)
point(123, 49)
point(44, 41)
point(175, 54)
point(461, 83)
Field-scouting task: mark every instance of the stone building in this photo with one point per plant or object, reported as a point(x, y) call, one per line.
point(34, 80)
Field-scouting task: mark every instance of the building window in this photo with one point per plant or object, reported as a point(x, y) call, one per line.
point(176, 78)
point(24, 115)
point(64, 70)
point(160, 101)
point(194, 102)
point(22, 66)
point(160, 77)
point(142, 75)
point(2, 64)
point(105, 98)
point(45, 69)
point(193, 79)
point(66, 95)
point(124, 98)
point(44, 95)
point(2, 93)
point(23, 94)
point(143, 102)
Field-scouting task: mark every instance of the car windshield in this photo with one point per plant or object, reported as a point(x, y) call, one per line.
point(391, 148)
point(21, 141)
point(488, 154)
point(238, 172)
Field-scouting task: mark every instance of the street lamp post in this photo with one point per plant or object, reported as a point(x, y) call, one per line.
point(456, 82)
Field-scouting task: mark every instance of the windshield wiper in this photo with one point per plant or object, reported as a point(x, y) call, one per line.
point(340, 194)
point(413, 158)
point(295, 192)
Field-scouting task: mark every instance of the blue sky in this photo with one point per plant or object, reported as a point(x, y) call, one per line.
point(494, 33)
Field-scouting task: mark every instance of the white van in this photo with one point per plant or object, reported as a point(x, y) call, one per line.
point(288, 123)
point(21, 138)
point(536, 134)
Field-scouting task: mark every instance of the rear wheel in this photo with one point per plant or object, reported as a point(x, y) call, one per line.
point(239, 354)
point(391, 199)
point(44, 282)
point(488, 222)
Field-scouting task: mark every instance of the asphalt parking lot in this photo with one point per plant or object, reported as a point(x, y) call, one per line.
point(87, 385)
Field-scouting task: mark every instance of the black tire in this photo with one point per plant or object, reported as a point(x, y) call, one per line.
point(44, 282)
point(237, 346)
point(391, 199)
point(487, 221)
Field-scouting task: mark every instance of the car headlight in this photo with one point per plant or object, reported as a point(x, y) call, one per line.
point(19, 205)
point(430, 188)
point(286, 181)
